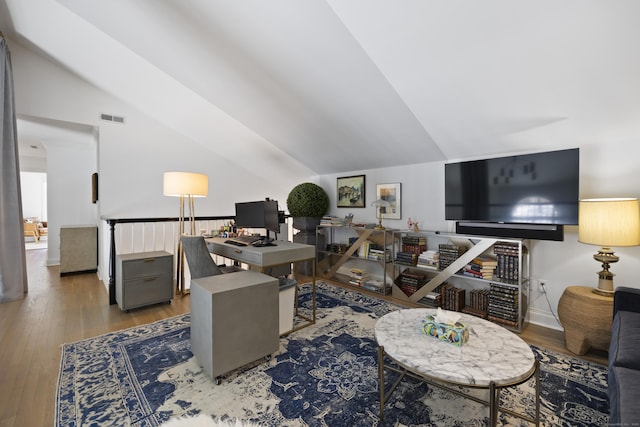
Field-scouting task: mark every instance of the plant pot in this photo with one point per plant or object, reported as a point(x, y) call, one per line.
point(307, 235)
point(306, 223)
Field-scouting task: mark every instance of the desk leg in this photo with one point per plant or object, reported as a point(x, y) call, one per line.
point(313, 290)
point(310, 319)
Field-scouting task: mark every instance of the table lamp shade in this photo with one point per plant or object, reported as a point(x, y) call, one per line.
point(185, 183)
point(609, 222)
point(379, 204)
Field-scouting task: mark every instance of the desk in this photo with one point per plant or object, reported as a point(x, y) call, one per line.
point(270, 256)
point(493, 358)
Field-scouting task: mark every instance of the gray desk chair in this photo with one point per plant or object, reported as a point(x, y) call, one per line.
point(198, 257)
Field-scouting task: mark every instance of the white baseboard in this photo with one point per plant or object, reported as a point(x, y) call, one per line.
point(543, 318)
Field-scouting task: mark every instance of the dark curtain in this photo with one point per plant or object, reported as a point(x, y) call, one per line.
point(13, 268)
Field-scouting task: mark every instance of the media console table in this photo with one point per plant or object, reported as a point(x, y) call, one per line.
point(264, 257)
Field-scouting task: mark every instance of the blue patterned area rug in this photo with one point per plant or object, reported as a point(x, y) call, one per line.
point(323, 375)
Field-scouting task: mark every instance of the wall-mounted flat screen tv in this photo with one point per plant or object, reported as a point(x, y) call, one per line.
point(538, 188)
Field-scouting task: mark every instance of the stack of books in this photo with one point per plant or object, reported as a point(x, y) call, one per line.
point(479, 303)
point(410, 281)
point(454, 298)
point(329, 220)
point(378, 254)
point(375, 285)
point(503, 304)
point(358, 277)
point(363, 250)
point(431, 300)
point(413, 244)
point(428, 259)
point(481, 267)
point(406, 258)
point(447, 254)
point(507, 261)
point(338, 248)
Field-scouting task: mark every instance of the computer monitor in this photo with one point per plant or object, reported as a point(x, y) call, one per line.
point(259, 214)
point(271, 217)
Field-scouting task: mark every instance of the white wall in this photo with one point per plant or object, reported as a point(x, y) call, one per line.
point(70, 166)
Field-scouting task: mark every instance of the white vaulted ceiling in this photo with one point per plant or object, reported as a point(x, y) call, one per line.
point(358, 84)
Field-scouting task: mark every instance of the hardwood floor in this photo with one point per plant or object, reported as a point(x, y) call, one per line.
point(56, 310)
point(59, 310)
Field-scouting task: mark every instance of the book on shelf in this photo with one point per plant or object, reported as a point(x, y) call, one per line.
point(410, 281)
point(432, 299)
point(428, 258)
point(448, 253)
point(413, 244)
point(379, 254)
point(454, 298)
point(363, 250)
point(374, 285)
point(406, 258)
point(508, 267)
point(477, 274)
point(328, 220)
point(505, 248)
point(507, 322)
point(485, 261)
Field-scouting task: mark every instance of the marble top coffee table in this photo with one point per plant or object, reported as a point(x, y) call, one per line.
point(492, 358)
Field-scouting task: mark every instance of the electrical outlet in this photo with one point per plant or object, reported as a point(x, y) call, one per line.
point(542, 283)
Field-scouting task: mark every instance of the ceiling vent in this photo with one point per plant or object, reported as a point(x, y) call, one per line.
point(111, 118)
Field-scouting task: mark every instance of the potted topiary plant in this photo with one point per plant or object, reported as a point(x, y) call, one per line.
point(307, 204)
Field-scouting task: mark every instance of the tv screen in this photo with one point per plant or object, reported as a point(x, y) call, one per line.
point(260, 214)
point(538, 188)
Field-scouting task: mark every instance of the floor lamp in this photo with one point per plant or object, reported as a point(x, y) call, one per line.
point(185, 185)
point(607, 223)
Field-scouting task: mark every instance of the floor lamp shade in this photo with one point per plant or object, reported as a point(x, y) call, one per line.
point(185, 184)
point(607, 223)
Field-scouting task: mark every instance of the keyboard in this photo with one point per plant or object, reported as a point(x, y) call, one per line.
point(243, 240)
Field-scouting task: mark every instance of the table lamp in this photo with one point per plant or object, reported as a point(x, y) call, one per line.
point(379, 204)
point(607, 223)
point(185, 185)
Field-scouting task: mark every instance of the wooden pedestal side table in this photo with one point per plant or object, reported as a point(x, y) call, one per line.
point(586, 317)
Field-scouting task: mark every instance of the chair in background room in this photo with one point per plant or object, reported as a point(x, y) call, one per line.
point(42, 228)
point(31, 230)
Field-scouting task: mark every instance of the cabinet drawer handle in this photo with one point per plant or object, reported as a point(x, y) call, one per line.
point(149, 260)
point(238, 251)
point(150, 279)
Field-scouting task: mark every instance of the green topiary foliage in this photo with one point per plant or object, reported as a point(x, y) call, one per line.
point(307, 199)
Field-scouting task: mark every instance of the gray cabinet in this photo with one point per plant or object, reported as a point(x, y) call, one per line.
point(234, 320)
point(78, 249)
point(144, 278)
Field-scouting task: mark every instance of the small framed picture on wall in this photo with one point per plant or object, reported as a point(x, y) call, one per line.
point(351, 191)
point(392, 194)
